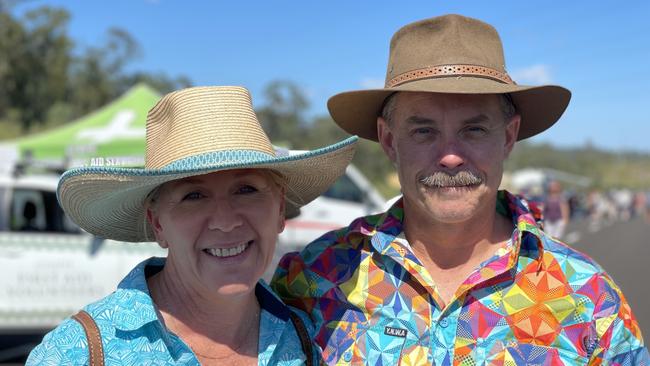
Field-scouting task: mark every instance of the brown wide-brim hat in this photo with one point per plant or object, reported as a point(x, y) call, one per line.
point(192, 132)
point(449, 54)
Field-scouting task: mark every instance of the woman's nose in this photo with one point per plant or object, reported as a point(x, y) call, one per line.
point(224, 217)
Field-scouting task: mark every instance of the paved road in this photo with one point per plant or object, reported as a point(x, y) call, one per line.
point(623, 249)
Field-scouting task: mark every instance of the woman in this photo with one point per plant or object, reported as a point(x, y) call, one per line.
point(215, 195)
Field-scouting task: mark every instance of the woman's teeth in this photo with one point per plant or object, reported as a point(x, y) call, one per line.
point(227, 252)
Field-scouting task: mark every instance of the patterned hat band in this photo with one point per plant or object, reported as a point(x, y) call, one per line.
point(447, 71)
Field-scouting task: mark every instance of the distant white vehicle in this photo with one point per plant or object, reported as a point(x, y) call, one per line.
point(350, 197)
point(51, 268)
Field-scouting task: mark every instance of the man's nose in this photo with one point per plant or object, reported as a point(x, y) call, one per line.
point(450, 154)
point(224, 217)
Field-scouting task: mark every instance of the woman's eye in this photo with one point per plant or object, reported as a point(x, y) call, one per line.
point(192, 196)
point(246, 189)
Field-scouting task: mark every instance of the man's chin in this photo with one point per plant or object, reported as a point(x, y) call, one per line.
point(452, 205)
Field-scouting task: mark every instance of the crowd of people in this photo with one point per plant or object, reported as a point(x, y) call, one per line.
point(598, 208)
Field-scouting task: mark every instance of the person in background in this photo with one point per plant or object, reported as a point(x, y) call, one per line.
point(556, 210)
point(215, 195)
point(456, 272)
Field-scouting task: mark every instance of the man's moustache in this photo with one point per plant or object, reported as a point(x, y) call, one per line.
point(444, 180)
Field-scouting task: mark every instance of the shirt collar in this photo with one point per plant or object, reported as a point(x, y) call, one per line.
point(134, 288)
point(526, 216)
point(270, 302)
point(273, 319)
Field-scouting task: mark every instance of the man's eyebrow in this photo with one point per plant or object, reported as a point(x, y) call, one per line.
point(417, 120)
point(477, 119)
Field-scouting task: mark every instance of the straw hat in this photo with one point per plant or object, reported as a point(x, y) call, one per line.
point(192, 132)
point(448, 54)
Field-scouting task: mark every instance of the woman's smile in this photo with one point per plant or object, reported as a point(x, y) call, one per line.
point(229, 252)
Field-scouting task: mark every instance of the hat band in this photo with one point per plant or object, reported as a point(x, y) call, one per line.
point(449, 70)
point(224, 159)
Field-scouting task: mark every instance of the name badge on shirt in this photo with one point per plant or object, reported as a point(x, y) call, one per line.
point(395, 332)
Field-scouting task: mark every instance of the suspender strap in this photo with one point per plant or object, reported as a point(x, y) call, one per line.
point(95, 351)
point(305, 341)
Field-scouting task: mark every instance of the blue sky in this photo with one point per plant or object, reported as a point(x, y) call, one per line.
point(600, 50)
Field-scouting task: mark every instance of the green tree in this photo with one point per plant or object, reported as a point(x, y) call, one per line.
point(283, 115)
point(35, 59)
point(96, 75)
point(43, 83)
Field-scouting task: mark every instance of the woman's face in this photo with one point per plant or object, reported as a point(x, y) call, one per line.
point(220, 228)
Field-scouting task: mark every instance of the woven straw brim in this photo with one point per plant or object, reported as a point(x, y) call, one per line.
point(539, 106)
point(109, 202)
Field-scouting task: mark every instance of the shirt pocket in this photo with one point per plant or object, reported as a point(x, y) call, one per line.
point(382, 341)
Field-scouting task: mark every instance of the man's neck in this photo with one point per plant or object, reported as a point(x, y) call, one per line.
point(481, 228)
point(451, 251)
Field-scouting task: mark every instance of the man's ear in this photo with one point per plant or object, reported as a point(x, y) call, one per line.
point(154, 222)
point(512, 131)
point(283, 207)
point(386, 138)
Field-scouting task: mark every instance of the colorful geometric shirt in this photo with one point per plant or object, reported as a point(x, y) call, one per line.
point(535, 302)
point(132, 333)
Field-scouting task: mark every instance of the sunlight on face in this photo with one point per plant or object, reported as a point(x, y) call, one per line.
point(449, 151)
point(220, 228)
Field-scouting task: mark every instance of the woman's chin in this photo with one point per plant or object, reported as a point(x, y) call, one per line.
point(236, 288)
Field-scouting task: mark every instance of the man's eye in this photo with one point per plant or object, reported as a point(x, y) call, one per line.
point(192, 196)
point(422, 131)
point(476, 130)
point(423, 134)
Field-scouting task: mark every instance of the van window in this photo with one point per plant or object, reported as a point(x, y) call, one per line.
point(35, 210)
point(345, 189)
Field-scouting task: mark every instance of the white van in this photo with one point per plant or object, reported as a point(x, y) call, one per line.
point(51, 268)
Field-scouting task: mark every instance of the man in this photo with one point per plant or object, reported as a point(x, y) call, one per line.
point(456, 272)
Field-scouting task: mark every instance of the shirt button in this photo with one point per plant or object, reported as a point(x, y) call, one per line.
point(444, 323)
point(347, 356)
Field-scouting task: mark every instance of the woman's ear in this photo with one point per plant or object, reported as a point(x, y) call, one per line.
point(154, 222)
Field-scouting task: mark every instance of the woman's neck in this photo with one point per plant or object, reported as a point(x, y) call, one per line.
point(215, 327)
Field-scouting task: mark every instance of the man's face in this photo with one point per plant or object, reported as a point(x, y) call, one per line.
point(449, 151)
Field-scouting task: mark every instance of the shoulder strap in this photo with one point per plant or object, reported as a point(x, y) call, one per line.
point(95, 351)
point(305, 341)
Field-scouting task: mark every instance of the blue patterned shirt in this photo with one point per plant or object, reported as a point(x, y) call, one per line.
point(132, 333)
